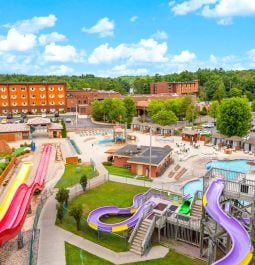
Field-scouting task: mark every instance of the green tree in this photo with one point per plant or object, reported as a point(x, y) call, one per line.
point(97, 110)
point(130, 109)
point(234, 117)
point(76, 213)
point(62, 196)
point(184, 105)
point(203, 111)
point(164, 117)
point(191, 113)
point(253, 105)
point(155, 106)
point(220, 92)
point(117, 113)
point(235, 92)
point(214, 109)
point(60, 211)
point(63, 131)
point(84, 181)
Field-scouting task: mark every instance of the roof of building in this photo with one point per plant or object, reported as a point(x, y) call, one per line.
point(140, 154)
point(219, 136)
point(29, 83)
point(251, 140)
point(55, 126)
point(191, 132)
point(235, 138)
point(14, 127)
point(38, 121)
point(4, 147)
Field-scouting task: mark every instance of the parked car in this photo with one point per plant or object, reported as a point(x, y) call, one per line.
point(56, 115)
point(68, 120)
point(44, 115)
point(208, 125)
point(3, 121)
point(9, 115)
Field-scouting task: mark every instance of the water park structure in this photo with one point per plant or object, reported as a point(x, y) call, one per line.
point(17, 208)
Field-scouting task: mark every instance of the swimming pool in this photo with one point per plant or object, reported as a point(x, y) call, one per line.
point(239, 165)
point(193, 186)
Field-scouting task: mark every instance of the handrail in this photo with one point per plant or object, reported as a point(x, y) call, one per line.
point(145, 212)
point(148, 235)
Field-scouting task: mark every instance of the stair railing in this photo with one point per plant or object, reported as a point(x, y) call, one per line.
point(147, 237)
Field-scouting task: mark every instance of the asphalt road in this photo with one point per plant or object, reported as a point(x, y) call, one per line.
point(81, 122)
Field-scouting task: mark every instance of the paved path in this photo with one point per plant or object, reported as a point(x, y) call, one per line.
point(52, 238)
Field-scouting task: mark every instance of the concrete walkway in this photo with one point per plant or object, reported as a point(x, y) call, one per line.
point(52, 240)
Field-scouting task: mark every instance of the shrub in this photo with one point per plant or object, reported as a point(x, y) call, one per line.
point(62, 196)
point(107, 163)
point(84, 182)
point(60, 211)
point(76, 213)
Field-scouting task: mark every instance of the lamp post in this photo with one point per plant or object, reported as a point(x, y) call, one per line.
point(76, 116)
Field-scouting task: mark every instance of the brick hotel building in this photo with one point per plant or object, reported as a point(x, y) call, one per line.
point(32, 97)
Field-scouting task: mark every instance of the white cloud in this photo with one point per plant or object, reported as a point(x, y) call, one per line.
point(133, 18)
point(34, 24)
point(104, 27)
point(15, 41)
point(52, 37)
point(146, 50)
point(160, 35)
point(189, 6)
point(222, 10)
point(60, 70)
point(57, 53)
point(122, 69)
point(251, 55)
point(184, 57)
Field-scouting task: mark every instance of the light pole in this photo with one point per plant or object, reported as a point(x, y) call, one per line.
point(76, 117)
point(150, 154)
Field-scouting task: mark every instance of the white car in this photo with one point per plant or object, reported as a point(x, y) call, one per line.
point(207, 125)
point(44, 115)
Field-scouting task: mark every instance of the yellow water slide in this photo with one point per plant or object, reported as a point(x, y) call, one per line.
point(19, 179)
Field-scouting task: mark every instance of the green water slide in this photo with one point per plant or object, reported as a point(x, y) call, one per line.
point(185, 206)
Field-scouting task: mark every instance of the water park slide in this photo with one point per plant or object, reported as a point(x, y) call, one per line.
point(241, 250)
point(185, 206)
point(15, 216)
point(18, 180)
point(137, 209)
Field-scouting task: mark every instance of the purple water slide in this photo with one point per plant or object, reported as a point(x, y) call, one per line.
point(95, 215)
point(240, 252)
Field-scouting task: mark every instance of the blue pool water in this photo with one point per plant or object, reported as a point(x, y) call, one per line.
point(105, 141)
point(239, 165)
point(192, 186)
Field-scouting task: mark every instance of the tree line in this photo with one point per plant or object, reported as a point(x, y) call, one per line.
point(215, 84)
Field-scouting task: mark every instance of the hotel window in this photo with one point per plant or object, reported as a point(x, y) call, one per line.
point(24, 103)
point(42, 88)
point(51, 95)
point(52, 102)
point(43, 103)
point(61, 103)
point(60, 88)
point(42, 96)
point(60, 95)
point(33, 96)
point(13, 96)
point(51, 88)
point(4, 104)
point(4, 96)
point(13, 89)
point(32, 89)
point(23, 96)
point(5, 111)
point(33, 103)
point(14, 103)
point(23, 89)
point(3, 89)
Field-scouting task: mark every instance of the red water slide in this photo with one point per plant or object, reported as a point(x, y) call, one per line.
point(15, 216)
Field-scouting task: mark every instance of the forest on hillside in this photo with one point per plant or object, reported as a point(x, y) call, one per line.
point(215, 84)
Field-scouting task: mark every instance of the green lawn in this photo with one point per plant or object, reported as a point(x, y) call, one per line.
point(74, 254)
point(124, 172)
point(110, 193)
point(71, 177)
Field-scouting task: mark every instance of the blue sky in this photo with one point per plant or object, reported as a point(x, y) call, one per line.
point(125, 37)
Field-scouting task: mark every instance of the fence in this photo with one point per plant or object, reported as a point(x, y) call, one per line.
point(162, 186)
point(32, 257)
point(92, 183)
